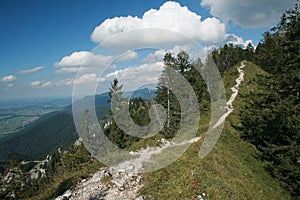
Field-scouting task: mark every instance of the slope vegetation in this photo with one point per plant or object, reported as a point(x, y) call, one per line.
point(41, 138)
point(232, 170)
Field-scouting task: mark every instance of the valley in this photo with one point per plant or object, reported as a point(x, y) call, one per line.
point(17, 114)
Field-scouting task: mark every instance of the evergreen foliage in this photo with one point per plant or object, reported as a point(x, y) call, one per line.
point(138, 110)
point(182, 64)
point(271, 115)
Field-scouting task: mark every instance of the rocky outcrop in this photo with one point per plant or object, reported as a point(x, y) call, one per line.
point(108, 183)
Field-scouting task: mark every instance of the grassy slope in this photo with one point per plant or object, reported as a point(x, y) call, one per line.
point(231, 171)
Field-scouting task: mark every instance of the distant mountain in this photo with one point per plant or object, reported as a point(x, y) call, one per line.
point(144, 93)
point(55, 130)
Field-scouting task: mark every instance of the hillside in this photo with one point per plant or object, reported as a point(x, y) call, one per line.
point(54, 130)
point(231, 171)
point(40, 138)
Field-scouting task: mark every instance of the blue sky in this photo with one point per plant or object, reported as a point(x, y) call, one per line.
point(36, 35)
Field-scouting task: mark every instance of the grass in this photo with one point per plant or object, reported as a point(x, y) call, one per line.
point(231, 171)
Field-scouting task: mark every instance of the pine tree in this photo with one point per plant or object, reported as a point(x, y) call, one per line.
point(182, 65)
point(114, 133)
point(271, 117)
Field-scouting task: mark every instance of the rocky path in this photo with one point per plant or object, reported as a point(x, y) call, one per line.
point(235, 91)
point(122, 182)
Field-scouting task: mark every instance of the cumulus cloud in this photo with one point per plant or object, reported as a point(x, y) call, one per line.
point(65, 70)
point(144, 74)
point(88, 78)
point(8, 78)
point(248, 13)
point(10, 85)
point(65, 82)
point(30, 71)
point(85, 58)
point(170, 16)
point(159, 54)
point(36, 83)
point(128, 56)
point(155, 57)
point(236, 40)
point(41, 84)
point(46, 84)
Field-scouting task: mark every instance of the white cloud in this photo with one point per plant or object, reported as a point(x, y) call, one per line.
point(41, 84)
point(236, 40)
point(205, 51)
point(65, 70)
point(36, 83)
point(170, 16)
point(8, 78)
point(137, 70)
point(159, 54)
point(75, 59)
point(128, 56)
point(88, 78)
point(46, 84)
point(248, 13)
point(10, 85)
point(143, 74)
point(156, 56)
point(29, 71)
point(65, 82)
point(88, 59)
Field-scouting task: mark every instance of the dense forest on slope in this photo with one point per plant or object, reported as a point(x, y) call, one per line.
point(39, 139)
point(271, 117)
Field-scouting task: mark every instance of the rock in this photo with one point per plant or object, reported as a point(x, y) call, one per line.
point(118, 183)
point(13, 195)
point(43, 172)
point(67, 194)
point(8, 178)
point(141, 198)
point(201, 196)
point(165, 142)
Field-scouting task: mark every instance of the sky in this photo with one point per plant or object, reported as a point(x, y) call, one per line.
point(48, 47)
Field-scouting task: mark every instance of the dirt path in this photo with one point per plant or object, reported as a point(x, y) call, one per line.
point(235, 91)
